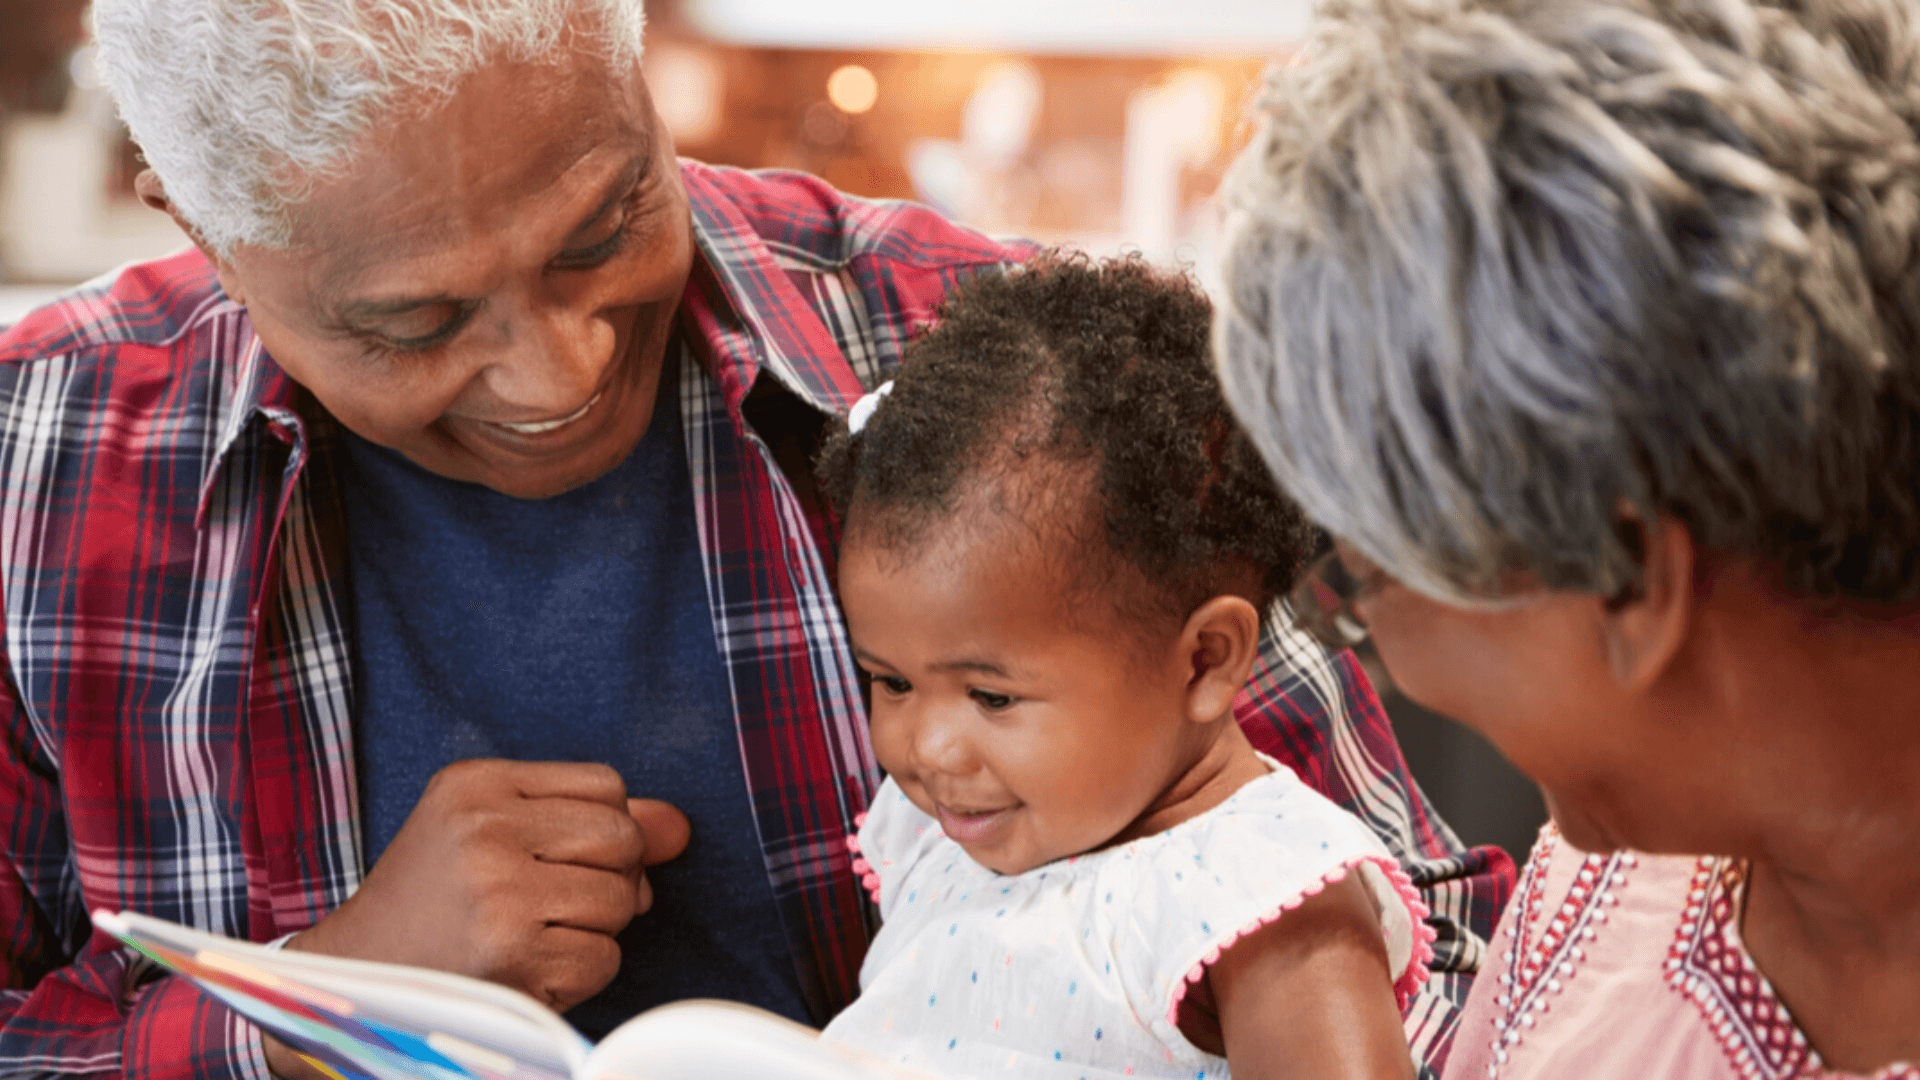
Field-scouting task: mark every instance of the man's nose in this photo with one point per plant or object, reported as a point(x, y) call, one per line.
point(552, 357)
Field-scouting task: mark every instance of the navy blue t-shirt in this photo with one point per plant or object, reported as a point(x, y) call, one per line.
point(574, 628)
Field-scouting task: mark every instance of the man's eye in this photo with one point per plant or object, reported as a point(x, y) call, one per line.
point(587, 256)
point(417, 331)
point(604, 239)
point(991, 701)
point(893, 684)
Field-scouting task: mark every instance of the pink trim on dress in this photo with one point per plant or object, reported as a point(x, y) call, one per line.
point(861, 867)
point(1418, 969)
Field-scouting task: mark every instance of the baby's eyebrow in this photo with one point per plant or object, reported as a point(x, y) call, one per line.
point(984, 667)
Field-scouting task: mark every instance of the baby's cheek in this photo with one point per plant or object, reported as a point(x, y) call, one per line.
point(915, 792)
point(889, 747)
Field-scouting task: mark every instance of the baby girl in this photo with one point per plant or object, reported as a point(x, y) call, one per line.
point(1058, 557)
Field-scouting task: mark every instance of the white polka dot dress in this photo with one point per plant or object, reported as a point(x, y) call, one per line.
point(1075, 969)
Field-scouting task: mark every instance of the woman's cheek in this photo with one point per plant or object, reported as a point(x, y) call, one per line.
point(1410, 633)
point(1480, 668)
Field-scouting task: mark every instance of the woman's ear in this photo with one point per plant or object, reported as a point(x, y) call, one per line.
point(1221, 640)
point(1644, 627)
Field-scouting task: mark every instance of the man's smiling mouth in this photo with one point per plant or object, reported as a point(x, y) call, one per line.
point(542, 426)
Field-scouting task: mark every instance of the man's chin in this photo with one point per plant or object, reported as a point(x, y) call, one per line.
point(534, 485)
point(524, 476)
point(539, 466)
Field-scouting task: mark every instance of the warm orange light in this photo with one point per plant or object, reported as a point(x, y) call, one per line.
point(853, 89)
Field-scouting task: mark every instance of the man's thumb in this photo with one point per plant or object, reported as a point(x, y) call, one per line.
point(665, 828)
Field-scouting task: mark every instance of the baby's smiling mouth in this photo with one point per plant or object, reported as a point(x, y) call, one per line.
point(971, 826)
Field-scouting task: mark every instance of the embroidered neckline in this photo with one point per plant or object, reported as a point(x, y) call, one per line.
point(1539, 966)
point(1707, 964)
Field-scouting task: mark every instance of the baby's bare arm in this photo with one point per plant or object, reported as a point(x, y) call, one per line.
point(1311, 995)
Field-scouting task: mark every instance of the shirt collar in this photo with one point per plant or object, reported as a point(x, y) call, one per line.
point(254, 389)
point(747, 312)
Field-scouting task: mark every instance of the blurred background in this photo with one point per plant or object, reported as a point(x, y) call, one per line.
point(1105, 125)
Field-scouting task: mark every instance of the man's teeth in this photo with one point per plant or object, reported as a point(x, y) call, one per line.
point(549, 425)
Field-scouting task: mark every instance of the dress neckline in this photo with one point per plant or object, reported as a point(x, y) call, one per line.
point(1707, 963)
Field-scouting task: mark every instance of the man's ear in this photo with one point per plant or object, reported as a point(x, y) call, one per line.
point(1221, 640)
point(151, 191)
point(1645, 627)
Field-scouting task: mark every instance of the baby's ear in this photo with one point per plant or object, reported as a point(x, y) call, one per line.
point(1222, 638)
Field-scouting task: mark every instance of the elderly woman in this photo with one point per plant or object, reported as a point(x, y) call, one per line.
point(1588, 329)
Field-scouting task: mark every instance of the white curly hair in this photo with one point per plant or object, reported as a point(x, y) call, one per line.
point(239, 105)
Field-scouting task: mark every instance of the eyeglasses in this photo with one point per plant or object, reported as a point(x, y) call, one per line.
point(1323, 601)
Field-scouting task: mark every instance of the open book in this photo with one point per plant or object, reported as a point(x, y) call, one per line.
point(357, 1019)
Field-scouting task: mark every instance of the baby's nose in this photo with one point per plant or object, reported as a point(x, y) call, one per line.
point(941, 744)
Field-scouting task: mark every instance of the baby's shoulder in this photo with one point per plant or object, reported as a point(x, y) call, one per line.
point(1273, 826)
point(1200, 886)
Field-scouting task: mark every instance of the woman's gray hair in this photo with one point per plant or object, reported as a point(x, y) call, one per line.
point(1503, 277)
point(240, 104)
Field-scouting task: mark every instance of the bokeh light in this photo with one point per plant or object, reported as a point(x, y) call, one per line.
point(853, 89)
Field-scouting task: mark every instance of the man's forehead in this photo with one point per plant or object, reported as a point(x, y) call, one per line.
point(487, 163)
point(418, 218)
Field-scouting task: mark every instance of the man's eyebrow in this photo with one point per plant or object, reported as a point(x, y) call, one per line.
point(631, 176)
point(364, 311)
point(355, 312)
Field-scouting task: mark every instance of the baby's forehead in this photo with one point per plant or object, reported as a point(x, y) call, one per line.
point(1028, 504)
point(1058, 570)
point(1048, 526)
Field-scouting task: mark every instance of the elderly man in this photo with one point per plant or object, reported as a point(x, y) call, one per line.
point(361, 562)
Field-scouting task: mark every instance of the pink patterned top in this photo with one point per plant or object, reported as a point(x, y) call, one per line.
point(1628, 966)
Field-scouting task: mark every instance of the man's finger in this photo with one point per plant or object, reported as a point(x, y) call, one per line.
point(596, 900)
point(583, 833)
point(667, 829)
point(566, 965)
point(586, 780)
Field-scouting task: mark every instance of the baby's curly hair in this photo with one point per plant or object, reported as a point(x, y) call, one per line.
point(1098, 369)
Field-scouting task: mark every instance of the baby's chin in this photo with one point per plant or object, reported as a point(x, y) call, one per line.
point(1013, 858)
point(1001, 863)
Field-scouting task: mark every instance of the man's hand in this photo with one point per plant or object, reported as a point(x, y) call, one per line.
point(520, 873)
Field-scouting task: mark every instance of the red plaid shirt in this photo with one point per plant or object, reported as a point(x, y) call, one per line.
point(177, 708)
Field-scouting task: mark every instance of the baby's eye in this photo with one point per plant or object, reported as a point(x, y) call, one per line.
point(991, 701)
point(893, 684)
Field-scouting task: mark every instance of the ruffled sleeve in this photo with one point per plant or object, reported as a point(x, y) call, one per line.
point(893, 836)
point(1201, 886)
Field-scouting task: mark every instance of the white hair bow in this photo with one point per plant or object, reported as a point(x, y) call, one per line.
point(862, 410)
